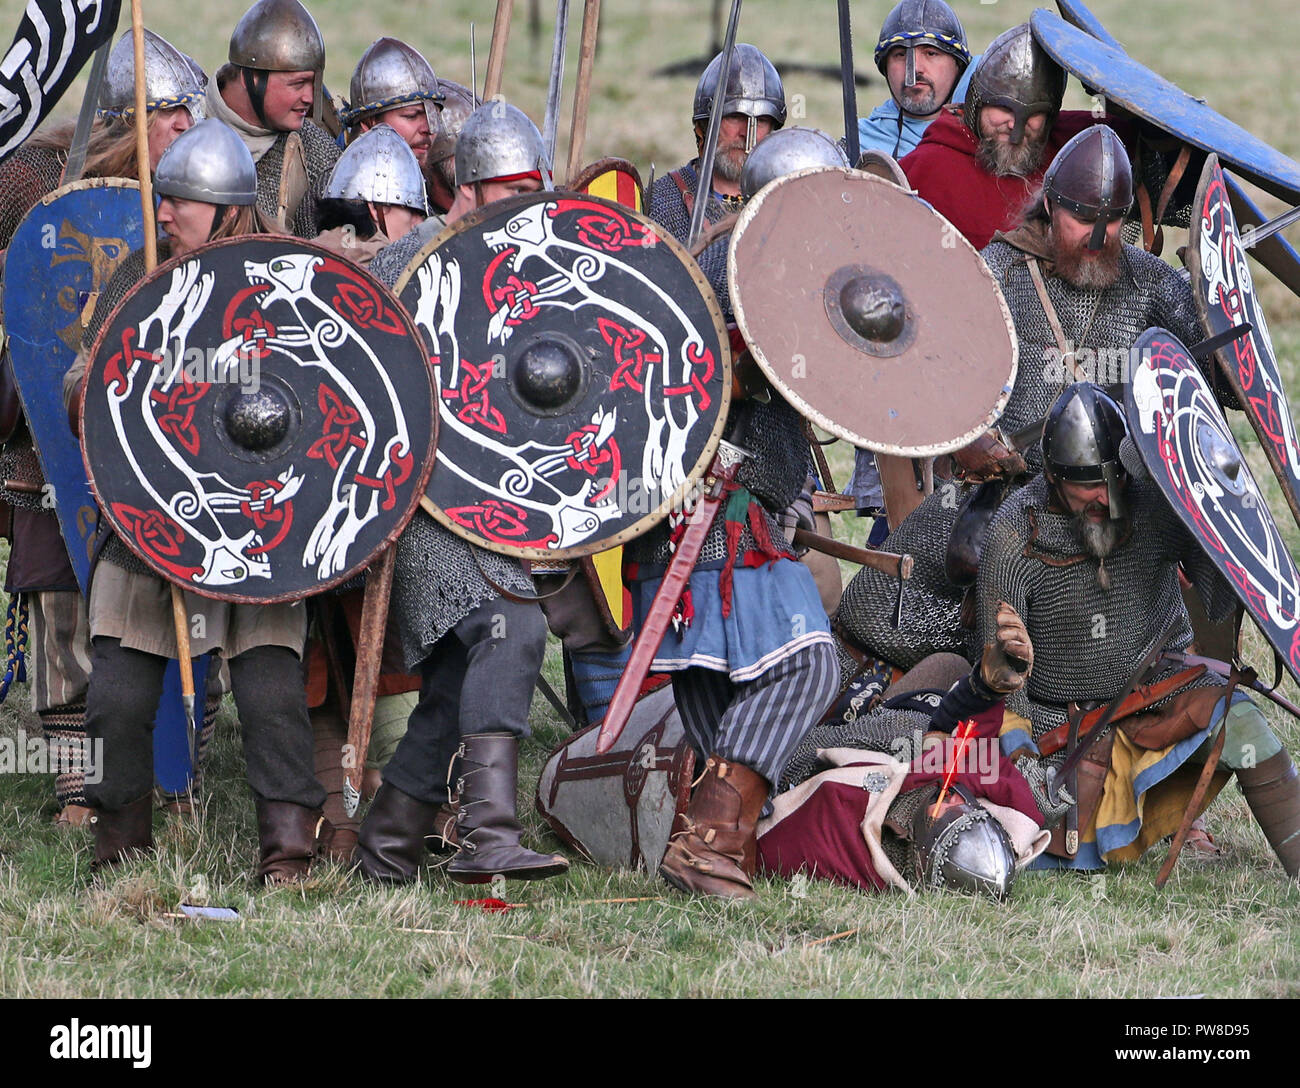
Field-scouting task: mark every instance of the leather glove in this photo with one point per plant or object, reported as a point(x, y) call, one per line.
point(1009, 658)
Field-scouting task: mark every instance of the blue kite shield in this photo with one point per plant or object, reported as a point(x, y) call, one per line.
point(62, 255)
point(173, 770)
point(1184, 441)
point(1135, 88)
point(1076, 14)
point(1226, 297)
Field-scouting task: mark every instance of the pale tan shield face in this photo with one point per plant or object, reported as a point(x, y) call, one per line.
point(871, 313)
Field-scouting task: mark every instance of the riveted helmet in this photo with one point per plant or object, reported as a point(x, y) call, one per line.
point(1081, 441)
point(922, 22)
point(208, 162)
point(498, 141)
point(171, 78)
point(391, 74)
point(962, 847)
point(753, 88)
point(785, 152)
point(379, 167)
point(1091, 178)
point(1017, 75)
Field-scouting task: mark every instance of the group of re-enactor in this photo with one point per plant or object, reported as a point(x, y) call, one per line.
point(797, 727)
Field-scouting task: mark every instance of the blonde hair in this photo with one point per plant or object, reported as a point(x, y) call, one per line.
point(248, 219)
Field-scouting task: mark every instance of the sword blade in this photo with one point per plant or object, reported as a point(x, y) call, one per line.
point(555, 88)
point(704, 184)
point(1252, 236)
point(86, 118)
point(849, 84)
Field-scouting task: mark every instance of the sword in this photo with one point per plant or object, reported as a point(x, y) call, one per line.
point(1222, 668)
point(1252, 236)
point(721, 472)
point(849, 84)
point(704, 183)
point(1152, 660)
point(555, 88)
point(86, 118)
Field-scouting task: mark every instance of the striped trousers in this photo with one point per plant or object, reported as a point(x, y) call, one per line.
point(759, 722)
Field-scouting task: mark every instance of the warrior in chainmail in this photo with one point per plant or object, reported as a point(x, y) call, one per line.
point(1089, 556)
point(477, 647)
point(272, 80)
point(38, 568)
point(754, 106)
point(961, 850)
point(208, 188)
point(1078, 308)
point(394, 85)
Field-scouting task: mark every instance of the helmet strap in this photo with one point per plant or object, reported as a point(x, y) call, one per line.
point(255, 87)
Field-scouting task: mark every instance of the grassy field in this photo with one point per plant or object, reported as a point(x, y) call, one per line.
point(1224, 930)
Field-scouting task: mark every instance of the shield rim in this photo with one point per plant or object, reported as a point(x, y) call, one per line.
point(933, 449)
point(417, 491)
point(598, 167)
point(648, 521)
point(1045, 23)
point(66, 524)
point(1131, 416)
point(1221, 357)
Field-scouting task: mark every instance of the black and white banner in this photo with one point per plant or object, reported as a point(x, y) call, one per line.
point(54, 41)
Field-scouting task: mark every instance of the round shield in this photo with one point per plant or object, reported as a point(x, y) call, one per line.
point(611, 179)
point(258, 420)
point(1225, 297)
point(1184, 441)
point(1134, 87)
point(582, 368)
point(60, 258)
point(871, 313)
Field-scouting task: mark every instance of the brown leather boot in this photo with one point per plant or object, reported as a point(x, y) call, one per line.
point(714, 849)
point(487, 825)
point(290, 836)
point(445, 839)
point(1272, 790)
point(330, 734)
point(391, 848)
point(122, 832)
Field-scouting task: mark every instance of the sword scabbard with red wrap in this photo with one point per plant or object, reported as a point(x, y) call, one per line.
point(721, 472)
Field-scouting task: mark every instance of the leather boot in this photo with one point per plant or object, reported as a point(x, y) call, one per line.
point(290, 836)
point(330, 734)
point(391, 847)
point(714, 849)
point(487, 825)
point(122, 832)
point(1272, 790)
point(444, 839)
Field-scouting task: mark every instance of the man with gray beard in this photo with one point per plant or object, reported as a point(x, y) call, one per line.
point(1088, 554)
point(753, 107)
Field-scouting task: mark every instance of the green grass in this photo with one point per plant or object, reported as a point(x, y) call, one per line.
point(1224, 930)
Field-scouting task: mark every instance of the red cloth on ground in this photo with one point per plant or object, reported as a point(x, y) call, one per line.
point(945, 171)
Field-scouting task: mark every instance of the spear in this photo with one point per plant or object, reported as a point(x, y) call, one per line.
point(497, 51)
point(179, 617)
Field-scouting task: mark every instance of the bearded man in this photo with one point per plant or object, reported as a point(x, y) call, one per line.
point(922, 54)
point(1089, 555)
point(977, 165)
point(1077, 313)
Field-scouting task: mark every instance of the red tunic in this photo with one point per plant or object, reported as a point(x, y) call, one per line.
point(945, 171)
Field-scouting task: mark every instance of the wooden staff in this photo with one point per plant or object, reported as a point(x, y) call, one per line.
point(897, 566)
point(582, 92)
point(180, 618)
point(365, 686)
point(497, 52)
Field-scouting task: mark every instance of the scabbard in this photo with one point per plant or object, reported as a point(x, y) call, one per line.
point(1143, 697)
point(365, 687)
point(721, 472)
